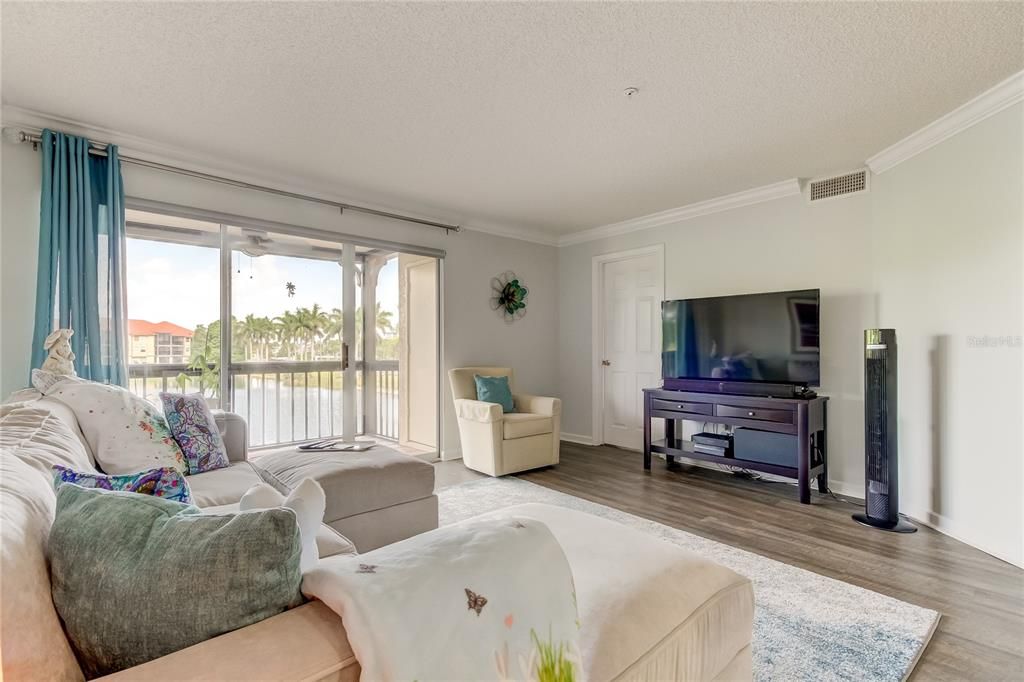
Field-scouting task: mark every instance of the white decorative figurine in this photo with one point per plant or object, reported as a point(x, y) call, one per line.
point(61, 360)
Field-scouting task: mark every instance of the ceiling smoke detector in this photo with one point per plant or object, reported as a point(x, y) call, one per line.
point(631, 92)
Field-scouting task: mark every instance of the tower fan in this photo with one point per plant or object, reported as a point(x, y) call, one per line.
point(881, 475)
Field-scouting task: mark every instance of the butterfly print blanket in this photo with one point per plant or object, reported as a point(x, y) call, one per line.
point(479, 600)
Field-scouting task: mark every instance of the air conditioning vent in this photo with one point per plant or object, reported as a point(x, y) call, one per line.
point(838, 186)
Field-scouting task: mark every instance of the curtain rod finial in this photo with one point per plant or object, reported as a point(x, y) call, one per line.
point(14, 135)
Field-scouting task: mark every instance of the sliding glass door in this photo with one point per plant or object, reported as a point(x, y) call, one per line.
point(306, 338)
point(289, 351)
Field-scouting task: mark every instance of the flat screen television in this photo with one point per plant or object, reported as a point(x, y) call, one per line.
point(771, 338)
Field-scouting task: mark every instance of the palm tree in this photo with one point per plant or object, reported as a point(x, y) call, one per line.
point(307, 332)
point(249, 331)
point(264, 336)
point(333, 329)
point(288, 332)
point(384, 324)
point(311, 323)
point(319, 320)
point(385, 327)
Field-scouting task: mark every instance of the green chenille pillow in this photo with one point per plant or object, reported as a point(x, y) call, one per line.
point(494, 390)
point(136, 577)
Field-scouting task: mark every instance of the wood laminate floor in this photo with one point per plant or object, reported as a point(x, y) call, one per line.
point(981, 633)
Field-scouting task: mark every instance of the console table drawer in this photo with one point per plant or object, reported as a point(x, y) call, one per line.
point(682, 406)
point(780, 416)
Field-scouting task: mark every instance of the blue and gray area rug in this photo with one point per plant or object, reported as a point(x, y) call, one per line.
point(806, 626)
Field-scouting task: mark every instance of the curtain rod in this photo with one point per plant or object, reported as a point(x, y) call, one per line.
point(99, 149)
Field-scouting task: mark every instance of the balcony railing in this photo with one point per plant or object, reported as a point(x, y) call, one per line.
point(286, 402)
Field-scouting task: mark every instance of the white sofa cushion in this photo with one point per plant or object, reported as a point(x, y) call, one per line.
point(523, 424)
point(306, 500)
point(41, 438)
point(32, 639)
point(223, 486)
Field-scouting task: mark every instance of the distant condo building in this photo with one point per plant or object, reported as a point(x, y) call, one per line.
point(163, 343)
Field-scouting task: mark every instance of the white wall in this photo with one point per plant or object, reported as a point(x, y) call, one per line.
point(934, 250)
point(948, 263)
point(473, 333)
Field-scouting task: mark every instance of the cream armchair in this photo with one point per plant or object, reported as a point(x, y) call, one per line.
point(496, 443)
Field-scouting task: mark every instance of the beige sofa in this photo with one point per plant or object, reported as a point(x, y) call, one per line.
point(36, 435)
point(496, 443)
point(648, 610)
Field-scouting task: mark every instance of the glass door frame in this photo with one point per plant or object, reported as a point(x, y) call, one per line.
point(348, 244)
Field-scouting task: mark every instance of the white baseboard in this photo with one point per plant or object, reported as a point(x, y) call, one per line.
point(576, 438)
point(854, 490)
point(929, 519)
point(948, 527)
point(448, 455)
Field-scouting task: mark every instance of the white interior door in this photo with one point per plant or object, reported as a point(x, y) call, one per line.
point(631, 335)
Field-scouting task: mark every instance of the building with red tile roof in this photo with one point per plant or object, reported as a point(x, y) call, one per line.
point(158, 343)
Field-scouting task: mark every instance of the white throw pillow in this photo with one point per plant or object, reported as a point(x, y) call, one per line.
point(43, 380)
point(308, 502)
point(125, 433)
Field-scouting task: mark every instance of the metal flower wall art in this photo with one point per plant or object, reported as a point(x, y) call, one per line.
point(509, 296)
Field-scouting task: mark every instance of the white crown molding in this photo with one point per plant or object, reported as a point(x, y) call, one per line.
point(140, 147)
point(728, 202)
point(523, 234)
point(992, 101)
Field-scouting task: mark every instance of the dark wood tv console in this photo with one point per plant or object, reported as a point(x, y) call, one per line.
point(804, 418)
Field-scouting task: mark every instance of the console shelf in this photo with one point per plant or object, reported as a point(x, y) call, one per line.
point(803, 418)
point(685, 449)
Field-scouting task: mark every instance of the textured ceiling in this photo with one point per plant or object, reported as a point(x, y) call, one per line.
point(514, 114)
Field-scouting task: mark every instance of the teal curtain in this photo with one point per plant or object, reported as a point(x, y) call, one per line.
point(80, 281)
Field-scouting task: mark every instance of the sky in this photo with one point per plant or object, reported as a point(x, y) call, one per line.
point(180, 284)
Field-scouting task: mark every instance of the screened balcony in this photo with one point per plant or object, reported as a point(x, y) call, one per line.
point(283, 296)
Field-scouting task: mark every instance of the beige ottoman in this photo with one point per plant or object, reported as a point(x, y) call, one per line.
point(650, 610)
point(374, 498)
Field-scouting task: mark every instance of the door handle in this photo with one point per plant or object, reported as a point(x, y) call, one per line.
point(606, 363)
point(344, 356)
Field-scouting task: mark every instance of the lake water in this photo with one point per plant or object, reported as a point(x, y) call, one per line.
point(288, 411)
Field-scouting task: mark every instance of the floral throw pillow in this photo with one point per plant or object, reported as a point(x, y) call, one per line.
point(165, 482)
point(194, 428)
point(125, 433)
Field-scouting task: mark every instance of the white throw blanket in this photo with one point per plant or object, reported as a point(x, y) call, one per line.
point(480, 600)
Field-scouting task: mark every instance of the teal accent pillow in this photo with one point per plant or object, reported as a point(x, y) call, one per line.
point(495, 390)
point(135, 577)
